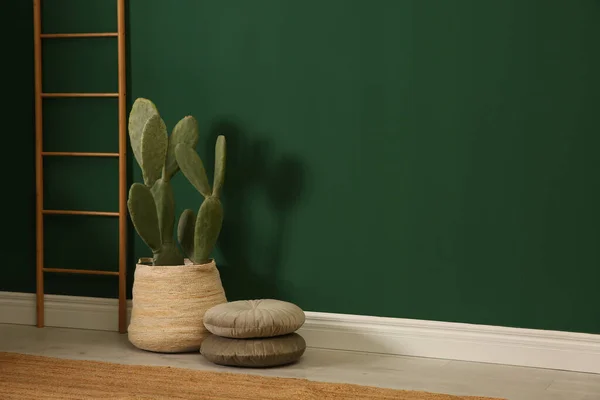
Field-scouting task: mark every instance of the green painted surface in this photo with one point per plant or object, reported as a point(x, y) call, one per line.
point(17, 160)
point(431, 160)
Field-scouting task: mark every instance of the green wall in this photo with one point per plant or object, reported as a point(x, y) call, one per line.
point(17, 160)
point(432, 160)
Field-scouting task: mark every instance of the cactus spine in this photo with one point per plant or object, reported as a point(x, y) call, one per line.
point(198, 234)
point(151, 204)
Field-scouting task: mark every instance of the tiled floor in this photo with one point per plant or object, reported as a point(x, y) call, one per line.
point(442, 376)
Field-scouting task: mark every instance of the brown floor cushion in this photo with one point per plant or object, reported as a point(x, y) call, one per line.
point(254, 318)
point(265, 352)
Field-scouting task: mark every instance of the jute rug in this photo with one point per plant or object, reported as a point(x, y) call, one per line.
point(25, 377)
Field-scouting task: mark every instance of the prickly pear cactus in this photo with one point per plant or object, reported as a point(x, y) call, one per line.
point(152, 204)
point(198, 234)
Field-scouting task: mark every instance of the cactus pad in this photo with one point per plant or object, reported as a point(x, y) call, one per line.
point(208, 228)
point(220, 157)
point(165, 207)
point(185, 232)
point(192, 167)
point(154, 149)
point(186, 132)
point(141, 111)
point(142, 209)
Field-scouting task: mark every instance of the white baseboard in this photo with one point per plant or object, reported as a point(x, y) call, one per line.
point(454, 341)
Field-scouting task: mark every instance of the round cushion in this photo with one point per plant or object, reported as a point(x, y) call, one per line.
point(254, 319)
point(264, 352)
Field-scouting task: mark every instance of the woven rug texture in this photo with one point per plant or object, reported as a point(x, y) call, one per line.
point(26, 377)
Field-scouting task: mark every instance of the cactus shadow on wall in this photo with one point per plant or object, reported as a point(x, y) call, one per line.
point(252, 167)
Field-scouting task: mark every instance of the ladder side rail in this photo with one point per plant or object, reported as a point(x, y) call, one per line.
point(122, 61)
point(39, 167)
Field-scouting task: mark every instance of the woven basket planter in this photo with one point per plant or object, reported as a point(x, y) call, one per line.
point(169, 304)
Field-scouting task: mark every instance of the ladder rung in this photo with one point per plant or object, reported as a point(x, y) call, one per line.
point(78, 35)
point(78, 154)
point(80, 271)
point(80, 94)
point(71, 212)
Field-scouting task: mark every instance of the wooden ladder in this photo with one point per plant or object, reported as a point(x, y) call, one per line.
point(40, 154)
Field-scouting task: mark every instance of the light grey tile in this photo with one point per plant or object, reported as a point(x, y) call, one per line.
point(588, 385)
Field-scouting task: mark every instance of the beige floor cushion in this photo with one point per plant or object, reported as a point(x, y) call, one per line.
point(254, 318)
point(264, 352)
